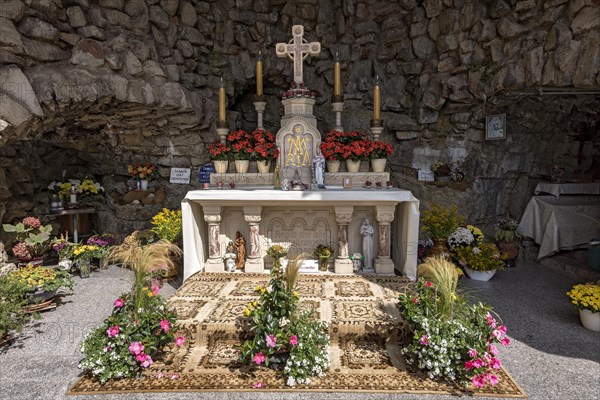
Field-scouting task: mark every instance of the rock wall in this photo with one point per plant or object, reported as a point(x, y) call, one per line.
point(89, 86)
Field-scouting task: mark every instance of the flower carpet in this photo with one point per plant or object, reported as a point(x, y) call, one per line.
point(364, 324)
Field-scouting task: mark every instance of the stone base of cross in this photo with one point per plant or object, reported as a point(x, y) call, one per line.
point(297, 50)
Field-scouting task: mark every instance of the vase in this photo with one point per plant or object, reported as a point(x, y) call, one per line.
point(144, 184)
point(263, 166)
point(84, 268)
point(241, 166)
point(352, 166)
point(440, 248)
point(480, 275)
point(65, 263)
point(333, 166)
point(511, 249)
point(323, 263)
point(220, 166)
point(378, 164)
point(590, 320)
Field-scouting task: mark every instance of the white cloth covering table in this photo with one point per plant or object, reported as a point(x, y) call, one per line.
point(557, 189)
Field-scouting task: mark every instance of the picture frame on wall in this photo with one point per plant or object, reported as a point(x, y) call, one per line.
point(495, 127)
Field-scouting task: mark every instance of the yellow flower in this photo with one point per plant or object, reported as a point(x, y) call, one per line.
point(295, 293)
point(246, 312)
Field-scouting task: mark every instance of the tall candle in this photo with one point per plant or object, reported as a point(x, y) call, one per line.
point(376, 101)
point(259, 75)
point(337, 80)
point(222, 102)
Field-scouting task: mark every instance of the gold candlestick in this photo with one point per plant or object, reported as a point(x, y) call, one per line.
point(259, 75)
point(222, 103)
point(377, 100)
point(337, 80)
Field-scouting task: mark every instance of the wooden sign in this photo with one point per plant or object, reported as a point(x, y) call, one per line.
point(180, 175)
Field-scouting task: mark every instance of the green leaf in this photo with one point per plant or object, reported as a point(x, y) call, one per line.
point(9, 228)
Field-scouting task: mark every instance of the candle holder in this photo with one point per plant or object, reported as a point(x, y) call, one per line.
point(259, 105)
point(222, 132)
point(376, 128)
point(337, 108)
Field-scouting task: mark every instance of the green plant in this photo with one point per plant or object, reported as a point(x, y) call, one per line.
point(586, 297)
point(85, 252)
point(12, 302)
point(444, 276)
point(63, 247)
point(459, 347)
point(282, 336)
point(440, 222)
point(33, 237)
point(485, 257)
point(323, 251)
point(507, 229)
point(44, 278)
point(167, 224)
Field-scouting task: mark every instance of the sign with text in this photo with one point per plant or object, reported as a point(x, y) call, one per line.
point(426, 175)
point(309, 266)
point(180, 175)
point(204, 173)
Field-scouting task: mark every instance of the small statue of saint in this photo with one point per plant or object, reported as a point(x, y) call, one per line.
point(240, 244)
point(277, 177)
point(366, 230)
point(318, 165)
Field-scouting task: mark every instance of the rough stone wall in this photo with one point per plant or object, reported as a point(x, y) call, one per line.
point(89, 86)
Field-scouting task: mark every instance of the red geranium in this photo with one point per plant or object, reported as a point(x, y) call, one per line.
point(241, 143)
point(218, 151)
point(379, 149)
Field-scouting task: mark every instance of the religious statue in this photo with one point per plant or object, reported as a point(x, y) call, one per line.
point(366, 230)
point(230, 249)
point(230, 257)
point(240, 244)
point(318, 165)
point(277, 177)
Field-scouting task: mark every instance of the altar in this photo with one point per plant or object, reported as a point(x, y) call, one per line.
point(300, 220)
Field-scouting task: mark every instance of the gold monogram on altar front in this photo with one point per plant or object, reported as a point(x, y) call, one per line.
point(297, 148)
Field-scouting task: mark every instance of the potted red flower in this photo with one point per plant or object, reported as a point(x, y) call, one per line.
point(219, 153)
point(242, 148)
point(265, 149)
point(378, 152)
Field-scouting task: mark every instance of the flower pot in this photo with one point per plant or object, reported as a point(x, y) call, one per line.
point(36, 262)
point(333, 166)
point(220, 166)
point(84, 269)
point(480, 275)
point(65, 263)
point(263, 166)
point(511, 249)
point(378, 164)
point(590, 320)
point(144, 184)
point(352, 166)
point(440, 247)
point(323, 264)
point(241, 166)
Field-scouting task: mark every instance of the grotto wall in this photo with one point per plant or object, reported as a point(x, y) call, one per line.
point(89, 86)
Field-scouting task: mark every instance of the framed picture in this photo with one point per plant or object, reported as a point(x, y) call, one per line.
point(495, 127)
point(347, 183)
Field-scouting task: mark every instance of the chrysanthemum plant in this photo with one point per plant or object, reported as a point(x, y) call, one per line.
point(586, 297)
point(281, 334)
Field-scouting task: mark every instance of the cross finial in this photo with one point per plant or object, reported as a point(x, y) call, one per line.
point(297, 50)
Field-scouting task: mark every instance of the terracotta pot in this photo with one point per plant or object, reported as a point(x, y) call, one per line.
point(378, 164)
point(333, 166)
point(511, 249)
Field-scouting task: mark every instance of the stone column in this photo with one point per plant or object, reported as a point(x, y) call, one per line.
point(259, 106)
point(214, 262)
point(254, 261)
point(337, 108)
point(343, 216)
point(383, 262)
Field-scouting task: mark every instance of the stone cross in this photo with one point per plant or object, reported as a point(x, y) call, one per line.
point(297, 50)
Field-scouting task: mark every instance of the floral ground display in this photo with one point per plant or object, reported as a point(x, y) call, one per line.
point(586, 297)
point(33, 238)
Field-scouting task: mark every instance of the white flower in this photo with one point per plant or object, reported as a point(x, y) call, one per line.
point(476, 250)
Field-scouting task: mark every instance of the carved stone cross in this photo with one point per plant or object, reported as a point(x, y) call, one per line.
point(297, 50)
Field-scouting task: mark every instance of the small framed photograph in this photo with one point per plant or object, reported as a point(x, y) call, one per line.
point(495, 127)
point(348, 183)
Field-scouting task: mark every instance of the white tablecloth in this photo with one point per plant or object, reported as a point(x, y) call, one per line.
point(404, 245)
point(557, 189)
point(561, 224)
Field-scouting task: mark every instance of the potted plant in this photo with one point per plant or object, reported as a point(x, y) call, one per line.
point(131, 338)
point(507, 235)
point(64, 249)
point(103, 242)
point(587, 299)
point(265, 150)
point(33, 240)
point(43, 282)
point(89, 192)
point(480, 262)
point(378, 152)
point(441, 171)
point(83, 255)
point(142, 173)
point(323, 252)
point(219, 154)
point(242, 148)
point(349, 146)
point(292, 342)
point(439, 223)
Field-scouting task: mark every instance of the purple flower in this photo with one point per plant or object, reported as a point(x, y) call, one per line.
point(271, 340)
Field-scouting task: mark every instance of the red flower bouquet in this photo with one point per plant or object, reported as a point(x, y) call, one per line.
point(379, 149)
point(218, 151)
point(241, 143)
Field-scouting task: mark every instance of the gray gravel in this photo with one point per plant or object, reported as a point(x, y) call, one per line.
point(551, 357)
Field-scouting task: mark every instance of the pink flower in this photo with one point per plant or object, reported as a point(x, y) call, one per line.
point(119, 302)
point(415, 300)
point(478, 363)
point(502, 329)
point(496, 364)
point(159, 375)
point(32, 222)
point(136, 348)
point(140, 357)
point(472, 353)
point(424, 340)
point(180, 340)
point(293, 340)
point(493, 379)
point(271, 340)
point(155, 290)
point(165, 325)
point(469, 365)
point(478, 381)
point(493, 349)
point(174, 376)
point(259, 358)
point(505, 342)
point(113, 331)
point(428, 284)
point(487, 357)
point(497, 334)
point(147, 361)
point(259, 385)
point(107, 348)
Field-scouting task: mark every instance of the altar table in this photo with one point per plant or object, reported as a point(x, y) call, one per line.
point(561, 224)
point(260, 213)
point(557, 189)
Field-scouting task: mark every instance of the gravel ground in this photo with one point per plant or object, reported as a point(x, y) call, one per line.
point(551, 356)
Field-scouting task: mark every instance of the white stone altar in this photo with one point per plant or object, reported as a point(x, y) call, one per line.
point(300, 220)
